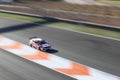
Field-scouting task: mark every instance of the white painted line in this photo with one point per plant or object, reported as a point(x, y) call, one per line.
point(70, 20)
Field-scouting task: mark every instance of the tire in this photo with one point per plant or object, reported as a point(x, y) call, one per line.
point(30, 45)
point(41, 49)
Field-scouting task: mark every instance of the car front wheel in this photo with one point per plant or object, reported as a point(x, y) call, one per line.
point(40, 48)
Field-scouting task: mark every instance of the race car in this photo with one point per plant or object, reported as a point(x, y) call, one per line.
point(39, 44)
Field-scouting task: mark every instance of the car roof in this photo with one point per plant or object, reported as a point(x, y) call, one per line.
point(37, 39)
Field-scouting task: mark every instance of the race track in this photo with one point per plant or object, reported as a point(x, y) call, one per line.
point(99, 53)
point(17, 68)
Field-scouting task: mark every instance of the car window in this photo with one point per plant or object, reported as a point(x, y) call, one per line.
point(40, 42)
point(43, 42)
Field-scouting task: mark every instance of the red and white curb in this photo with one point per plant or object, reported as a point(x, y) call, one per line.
point(55, 63)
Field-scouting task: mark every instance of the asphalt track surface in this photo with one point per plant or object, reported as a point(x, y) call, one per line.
point(96, 52)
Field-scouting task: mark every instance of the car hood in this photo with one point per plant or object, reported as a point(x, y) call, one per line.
point(45, 45)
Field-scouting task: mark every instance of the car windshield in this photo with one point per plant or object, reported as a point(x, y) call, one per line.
point(41, 42)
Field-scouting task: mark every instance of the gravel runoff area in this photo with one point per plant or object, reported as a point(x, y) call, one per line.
point(102, 14)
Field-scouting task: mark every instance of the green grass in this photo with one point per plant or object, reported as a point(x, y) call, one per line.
point(65, 25)
point(19, 17)
point(82, 28)
point(112, 2)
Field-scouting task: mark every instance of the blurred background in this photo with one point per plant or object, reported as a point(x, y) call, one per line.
point(97, 11)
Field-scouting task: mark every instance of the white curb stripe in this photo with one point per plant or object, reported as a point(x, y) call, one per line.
point(55, 63)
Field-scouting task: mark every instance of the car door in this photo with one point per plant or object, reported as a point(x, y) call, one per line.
point(34, 44)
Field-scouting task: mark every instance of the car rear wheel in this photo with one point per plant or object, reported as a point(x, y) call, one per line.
point(30, 45)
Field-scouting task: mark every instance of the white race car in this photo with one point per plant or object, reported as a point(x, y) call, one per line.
point(39, 44)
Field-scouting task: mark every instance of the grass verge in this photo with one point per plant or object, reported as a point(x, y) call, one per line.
point(65, 25)
point(111, 2)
